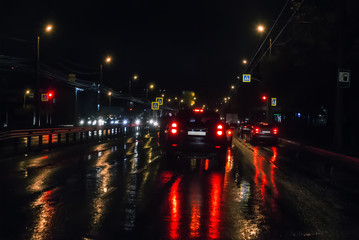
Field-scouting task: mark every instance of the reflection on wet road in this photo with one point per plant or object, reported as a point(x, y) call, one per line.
point(126, 189)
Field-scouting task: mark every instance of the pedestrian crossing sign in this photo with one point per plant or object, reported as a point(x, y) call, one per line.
point(246, 78)
point(159, 100)
point(274, 102)
point(155, 106)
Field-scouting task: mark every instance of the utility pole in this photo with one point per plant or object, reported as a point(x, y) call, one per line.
point(338, 123)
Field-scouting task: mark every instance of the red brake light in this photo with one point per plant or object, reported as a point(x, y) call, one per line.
point(219, 133)
point(219, 126)
point(197, 110)
point(256, 130)
point(229, 132)
point(173, 128)
point(275, 130)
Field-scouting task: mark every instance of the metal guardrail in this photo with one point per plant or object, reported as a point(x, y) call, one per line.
point(17, 141)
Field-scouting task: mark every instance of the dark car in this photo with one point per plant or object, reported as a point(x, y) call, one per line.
point(197, 131)
point(245, 128)
point(264, 133)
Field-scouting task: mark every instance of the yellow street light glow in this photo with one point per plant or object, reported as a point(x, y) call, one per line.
point(135, 77)
point(181, 100)
point(225, 99)
point(152, 86)
point(169, 99)
point(49, 28)
point(232, 87)
point(163, 95)
point(27, 92)
point(229, 98)
point(244, 61)
point(260, 28)
point(176, 98)
point(109, 93)
point(108, 59)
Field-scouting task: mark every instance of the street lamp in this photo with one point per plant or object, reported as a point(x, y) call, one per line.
point(134, 77)
point(260, 28)
point(244, 61)
point(27, 92)
point(37, 121)
point(99, 85)
point(109, 98)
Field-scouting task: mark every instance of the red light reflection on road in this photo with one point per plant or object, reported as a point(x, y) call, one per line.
point(214, 206)
point(196, 200)
point(175, 207)
point(273, 160)
point(206, 164)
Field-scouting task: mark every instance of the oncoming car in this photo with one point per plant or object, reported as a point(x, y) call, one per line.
point(197, 131)
point(264, 132)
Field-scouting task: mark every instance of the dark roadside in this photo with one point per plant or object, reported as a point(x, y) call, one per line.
point(322, 137)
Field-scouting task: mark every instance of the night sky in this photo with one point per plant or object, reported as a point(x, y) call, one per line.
point(194, 45)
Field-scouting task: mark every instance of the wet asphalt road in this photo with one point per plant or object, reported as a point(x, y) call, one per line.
point(127, 189)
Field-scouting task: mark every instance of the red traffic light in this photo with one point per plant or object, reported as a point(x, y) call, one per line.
point(264, 98)
point(50, 94)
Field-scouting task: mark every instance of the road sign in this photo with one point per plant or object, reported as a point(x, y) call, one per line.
point(159, 100)
point(44, 97)
point(343, 78)
point(246, 78)
point(155, 106)
point(274, 102)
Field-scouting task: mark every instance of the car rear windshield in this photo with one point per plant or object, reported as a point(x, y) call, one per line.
point(193, 119)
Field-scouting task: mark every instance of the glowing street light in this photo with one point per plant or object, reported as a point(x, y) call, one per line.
point(37, 121)
point(99, 85)
point(260, 28)
point(109, 98)
point(244, 61)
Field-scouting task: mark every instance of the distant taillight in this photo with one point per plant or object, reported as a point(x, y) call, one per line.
point(219, 133)
point(256, 130)
point(174, 128)
point(275, 130)
point(229, 132)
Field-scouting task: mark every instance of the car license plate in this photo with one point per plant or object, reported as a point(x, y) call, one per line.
point(265, 131)
point(196, 133)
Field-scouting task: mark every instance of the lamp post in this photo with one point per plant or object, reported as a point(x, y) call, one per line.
point(27, 92)
point(37, 121)
point(109, 98)
point(99, 85)
point(134, 77)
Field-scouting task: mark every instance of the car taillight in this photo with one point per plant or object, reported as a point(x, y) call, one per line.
point(174, 128)
point(229, 132)
point(256, 130)
point(219, 130)
point(275, 130)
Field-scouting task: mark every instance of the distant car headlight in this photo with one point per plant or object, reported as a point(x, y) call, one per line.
point(151, 121)
point(155, 123)
point(116, 122)
point(112, 121)
point(124, 122)
point(94, 122)
point(82, 122)
point(89, 122)
point(137, 122)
